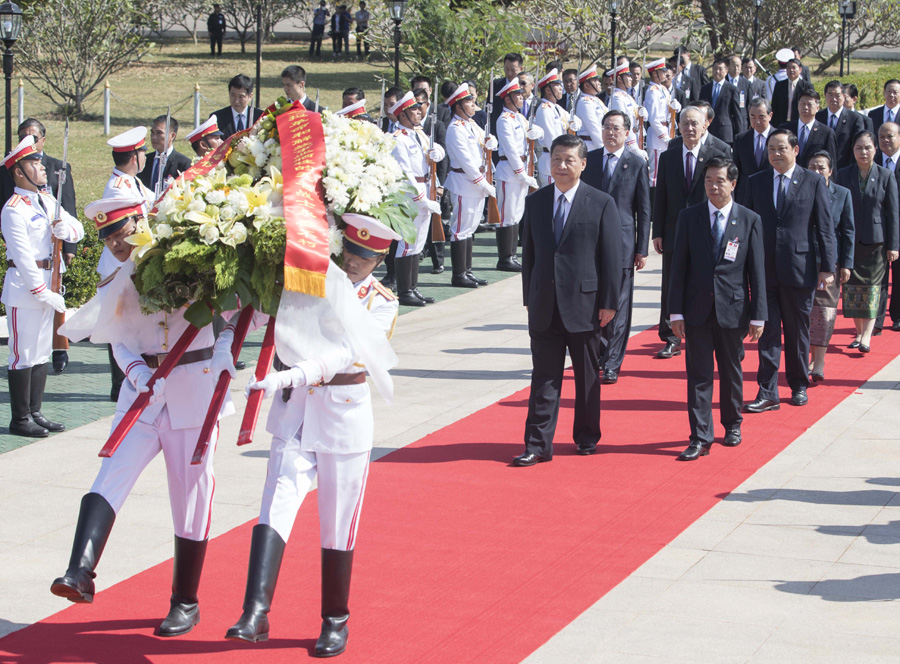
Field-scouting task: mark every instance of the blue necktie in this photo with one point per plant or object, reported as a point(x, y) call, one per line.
point(240, 122)
point(758, 153)
point(715, 98)
point(804, 135)
point(718, 230)
point(154, 177)
point(833, 122)
point(559, 219)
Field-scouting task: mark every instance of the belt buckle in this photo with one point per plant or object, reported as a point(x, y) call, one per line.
point(160, 358)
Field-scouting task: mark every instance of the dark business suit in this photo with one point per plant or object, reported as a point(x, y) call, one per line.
point(820, 138)
point(176, 164)
point(630, 188)
point(225, 119)
point(671, 197)
point(564, 288)
point(695, 80)
point(780, 100)
point(793, 239)
point(717, 144)
point(894, 269)
point(717, 298)
point(752, 90)
point(745, 159)
point(310, 105)
point(844, 225)
point(876, 116)
point(846, 126)
point(729, 120)
point(444, 113)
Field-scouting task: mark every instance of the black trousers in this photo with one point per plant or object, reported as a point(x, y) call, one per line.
point(548, 356)
point(215, 40)
point(665, 331)
point(789, 308)
point(892, 275)
point(705, 343)
point(618, 329)
point(315, 42)
point(360, 39)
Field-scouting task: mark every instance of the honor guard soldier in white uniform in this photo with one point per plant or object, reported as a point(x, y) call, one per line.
point(28, 229)
point(553, 120)
point(511, 177)
point(784, 55)
point(171, 423)
point(659, 105)
point(129, 151)
point(355, 111)
point(415, 157)
point(322, 427)
point(466, 144)
point(589, 109)
point(206, 137)
point(620, 100)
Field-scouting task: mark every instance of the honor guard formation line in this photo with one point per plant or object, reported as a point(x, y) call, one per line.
point(768, 205)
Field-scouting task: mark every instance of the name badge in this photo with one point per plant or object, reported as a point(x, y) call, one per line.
point(743, 98)
point(731, 250)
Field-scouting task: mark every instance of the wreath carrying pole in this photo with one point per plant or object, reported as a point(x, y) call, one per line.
point(254, 402)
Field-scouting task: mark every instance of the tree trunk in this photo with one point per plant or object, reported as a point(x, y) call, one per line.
point(709, 17)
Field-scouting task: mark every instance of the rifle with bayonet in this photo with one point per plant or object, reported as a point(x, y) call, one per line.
point(164, 158)
point(381, 112)
point(59, 341)
point(437, 225)
point(493, 212)
point(531, 147)
point(317, 100)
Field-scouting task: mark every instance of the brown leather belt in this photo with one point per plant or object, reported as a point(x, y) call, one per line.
point(423, 179)
point(190, 357)
point(505, 158)
point(457, 170)
point(585, 138)
point(348, 379)
point(44, 264)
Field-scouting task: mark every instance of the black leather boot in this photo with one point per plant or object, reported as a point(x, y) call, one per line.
point(458, 260)
point(184, 607)
point(470, 243)
point(403, 266)
point(22, 423)
point(95, 522)
point(60, 361)
point(336, 570)
point(506, 249)
point(266, 553)
point(390, 279)
point(414, 280)
point(38, 384)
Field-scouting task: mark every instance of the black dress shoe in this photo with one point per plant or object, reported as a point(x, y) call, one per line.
point(799, 398)
point(895, 326)
point(477, 280)
point(437, 269)
point(761, 405)
point(49, 425)
point(610, 377)
point(817, 377)
point(462, 280)
point(27, 427)
point(864, 349)
point(876, 332)
point(408, 299)
point(694, 451)
point(671, 349)
point(509, 265)
point(76, 586)
point(853, 344)
point(427, 299)
point(60, 361)
point(732, 438)
point(529, 459)
point(332, 640)
point(586, 451)
point(240, 365)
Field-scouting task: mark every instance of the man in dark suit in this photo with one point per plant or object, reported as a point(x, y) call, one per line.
point(571, 281)
point(797, 230)
point(750, 155)
point(240, 114)
point(787, 94)
point(842, 121)
point(570, 85)
point(176, 163)
point(725, 101)
point(716, 143)
point(812, 135)
point(716, 297)
point(890, 110)
point(888, 157)
point(677, 93)
point(678, 185)
point(804, 70)
point(512, 67)
point(622, 174)
point(389, 123)
point(749, 84)
point(690, 77)
point(293, 82)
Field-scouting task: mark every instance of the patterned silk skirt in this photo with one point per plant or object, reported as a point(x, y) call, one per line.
point(862, 293)
point(823, 314)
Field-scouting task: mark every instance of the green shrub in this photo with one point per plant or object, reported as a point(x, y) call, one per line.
point(870, 86)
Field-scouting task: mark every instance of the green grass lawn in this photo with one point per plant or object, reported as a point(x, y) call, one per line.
point(168, 76)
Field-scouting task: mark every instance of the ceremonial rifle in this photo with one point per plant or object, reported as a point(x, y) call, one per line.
point(317, 100)
point(493, 215)
point(381, 112)
point(531, 156)
point(59, 341)
point(759, 64)
point(437, 226)
point(572, 112)
point(164, 158)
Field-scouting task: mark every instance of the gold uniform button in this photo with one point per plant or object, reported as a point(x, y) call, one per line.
point(311, 390)
point(348, 400)
point(162, 324)
point(165, 347)
point(205, 369)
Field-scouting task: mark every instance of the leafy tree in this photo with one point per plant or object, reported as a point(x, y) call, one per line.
point(69, 47)
point(241, 16)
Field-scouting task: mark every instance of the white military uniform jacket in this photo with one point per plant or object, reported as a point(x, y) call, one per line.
point(656, 100)
point(590, 110)
point(122, 185)
point(513, 144)
point(465, 147)
point(553, 119)
point(335, 419)
point(619, 100)
point(26, 229)
point(409, 151)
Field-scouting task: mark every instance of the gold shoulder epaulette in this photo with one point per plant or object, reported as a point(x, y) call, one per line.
point(385, 292)
point(14, 201)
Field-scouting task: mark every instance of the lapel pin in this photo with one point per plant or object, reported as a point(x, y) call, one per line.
point(700, 159)
point(624, 166)
point(794, 182)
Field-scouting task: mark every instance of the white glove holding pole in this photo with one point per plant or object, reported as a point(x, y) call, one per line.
point(140, 378)
point(575, 123)
point(642, 113)
point(535, 134)
point(675, 105)
point(62, 231)
point(222, 360)
point(489, 190)
point(437, 154)
point(491, 143)
point(278, 380)
point(433, 207)
point(54, 300)
point(524, 178)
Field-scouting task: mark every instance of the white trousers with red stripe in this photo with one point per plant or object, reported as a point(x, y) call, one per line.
point(654, 156)
point(191, 488)
point(511, 201)
point(466, 216)
point(341, 488)
point(422, 222)
point(30, 336)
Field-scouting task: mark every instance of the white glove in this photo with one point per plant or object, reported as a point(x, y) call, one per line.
point(491, 143)
point(675, 105)
point(277, 380)
point(535, 134)
point(140, 378)
point(62, 231)
point(55, 300)
point(437, 154)
point(575, 123)
point(222, 360)
point(524, 178)
point(434, 207)
point(489, 190)
point(642, 113)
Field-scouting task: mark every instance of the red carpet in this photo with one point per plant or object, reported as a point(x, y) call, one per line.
point(460, 557)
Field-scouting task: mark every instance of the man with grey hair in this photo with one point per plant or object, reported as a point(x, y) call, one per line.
point(750, 154)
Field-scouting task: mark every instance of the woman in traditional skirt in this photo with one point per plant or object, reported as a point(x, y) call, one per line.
point(873, 191)
point(824, 311)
